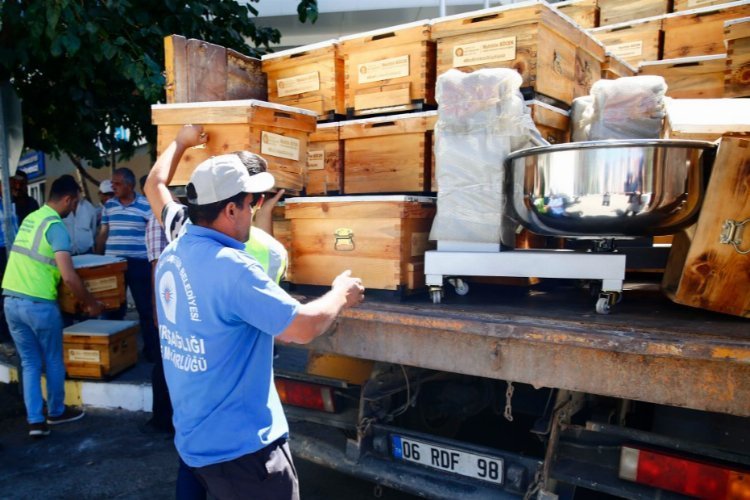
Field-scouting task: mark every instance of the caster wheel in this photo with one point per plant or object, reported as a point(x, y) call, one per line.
point(437, 296)
point(461, 287)
point(602, 305)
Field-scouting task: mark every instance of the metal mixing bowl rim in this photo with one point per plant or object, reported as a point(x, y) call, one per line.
point(612, 143)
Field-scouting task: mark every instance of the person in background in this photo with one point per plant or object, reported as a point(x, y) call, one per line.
point(19, 190)
point(123, 234)
point(81, 225)
point(105, 194)
point(40, 257)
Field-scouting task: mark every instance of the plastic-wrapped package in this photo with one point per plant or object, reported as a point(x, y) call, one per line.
point(482, 118)
point(581, 113)
point(628, 108)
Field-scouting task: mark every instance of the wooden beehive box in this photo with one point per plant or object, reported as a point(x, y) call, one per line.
point(690, 77)
point(681, 5)
point(553, 55)
point(553, 123)
point(389, 154)
point(382, 239)
point(103, 276)
point(309, 77)
point(99, 349)
point(198, 71)
point(633, 42)
point(700, 32)
point(619, 11)
point(325, 157)
point(737, 38)
point(278, 133)
point(389, 70)
point(615, 67)
point(584, 12)
point(706, 268)
point(705, 119)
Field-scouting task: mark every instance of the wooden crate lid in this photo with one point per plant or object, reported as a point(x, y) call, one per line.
point(390, 36)
point(688, 17)
point(360, 207)
point(645, 23)
point(615, 61)
point(709, 63)
point(304, 50)
point(92, 260)
point(99, 328)
point(708, 116)
point(250, 111)
point(550, 116)
point(326, 132)
point(390, 125)
point(737, 28)
point(515, 15)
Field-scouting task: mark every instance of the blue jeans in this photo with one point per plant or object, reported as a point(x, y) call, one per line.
point(36, 328)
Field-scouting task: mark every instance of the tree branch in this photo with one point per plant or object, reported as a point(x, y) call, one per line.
point(84, 175)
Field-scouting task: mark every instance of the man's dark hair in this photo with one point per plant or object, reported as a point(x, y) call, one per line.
point(65, 185)
point(22, 175)
point(255, 164)
point(206, 214)
point(127, 175)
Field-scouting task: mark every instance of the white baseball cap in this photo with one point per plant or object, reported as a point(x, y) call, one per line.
point(221, 177)
point(106, 187)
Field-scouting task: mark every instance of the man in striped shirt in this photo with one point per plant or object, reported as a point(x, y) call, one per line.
point(123, 234)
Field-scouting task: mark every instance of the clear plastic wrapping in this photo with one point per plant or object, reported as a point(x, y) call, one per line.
point(482, 118)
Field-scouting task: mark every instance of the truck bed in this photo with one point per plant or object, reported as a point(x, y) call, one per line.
point(648, 349)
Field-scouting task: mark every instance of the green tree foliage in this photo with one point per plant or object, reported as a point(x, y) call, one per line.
point(83, 67)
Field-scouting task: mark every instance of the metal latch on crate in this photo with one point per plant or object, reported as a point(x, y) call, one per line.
point(344, 239)
point(731, 234)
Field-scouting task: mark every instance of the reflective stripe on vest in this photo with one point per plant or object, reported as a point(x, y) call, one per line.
point(33, 252)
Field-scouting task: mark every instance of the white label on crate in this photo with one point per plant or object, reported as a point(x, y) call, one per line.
point(384, 69)
point(488, 51)
point(83, 355)
point(698, 3)
point(625, 50)
point(279, 146)
point(309, 82)
point(101, 284)
point(316, 160)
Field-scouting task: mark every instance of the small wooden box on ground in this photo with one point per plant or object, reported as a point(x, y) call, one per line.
point(553, 123)
point(555, 57)
point(615, 67)
point(382, 239)
point(690, 77)
point(309, 77)
point(700, 32)
point(99, 348)
point(619, 11)
point(707, 267)
point(103, 277)
point(278, 133)
point(198, 71)
point(737, 38)
point(634, 41)
point(389, 70)
point(389, 154)
point(584, 12)
point(325, 156)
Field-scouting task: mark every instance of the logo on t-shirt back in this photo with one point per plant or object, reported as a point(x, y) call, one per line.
point(168, 296)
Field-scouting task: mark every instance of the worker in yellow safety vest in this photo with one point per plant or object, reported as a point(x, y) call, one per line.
point(39, 258)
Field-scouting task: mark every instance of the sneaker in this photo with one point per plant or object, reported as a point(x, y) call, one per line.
point(40, 429)
point(69, 415)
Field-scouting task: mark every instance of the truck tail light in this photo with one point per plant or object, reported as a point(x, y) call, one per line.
point(306, 395)
point(686, 476)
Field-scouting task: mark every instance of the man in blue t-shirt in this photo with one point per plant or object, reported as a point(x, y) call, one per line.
point(218, 316)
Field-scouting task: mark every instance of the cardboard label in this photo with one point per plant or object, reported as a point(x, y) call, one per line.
point(316, 160)
point(699, 3)
point(84, 355)
point(309, 82)
point(488, 51)
point(626, 50)
point(101, 284)
point(279, 146)
point(384, 69)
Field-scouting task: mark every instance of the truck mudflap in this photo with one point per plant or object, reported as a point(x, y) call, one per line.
point(442, 468)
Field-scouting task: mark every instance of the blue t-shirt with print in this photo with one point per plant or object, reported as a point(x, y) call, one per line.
point(218, 313)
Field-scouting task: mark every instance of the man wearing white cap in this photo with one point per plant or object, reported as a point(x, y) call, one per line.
point(106, 193)
point(218, 316)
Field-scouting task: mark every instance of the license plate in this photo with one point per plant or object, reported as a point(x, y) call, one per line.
point(468, 464)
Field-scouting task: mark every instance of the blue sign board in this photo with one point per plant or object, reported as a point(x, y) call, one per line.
point(33, 164)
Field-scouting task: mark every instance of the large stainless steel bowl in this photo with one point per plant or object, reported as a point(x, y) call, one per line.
point(608, 188)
